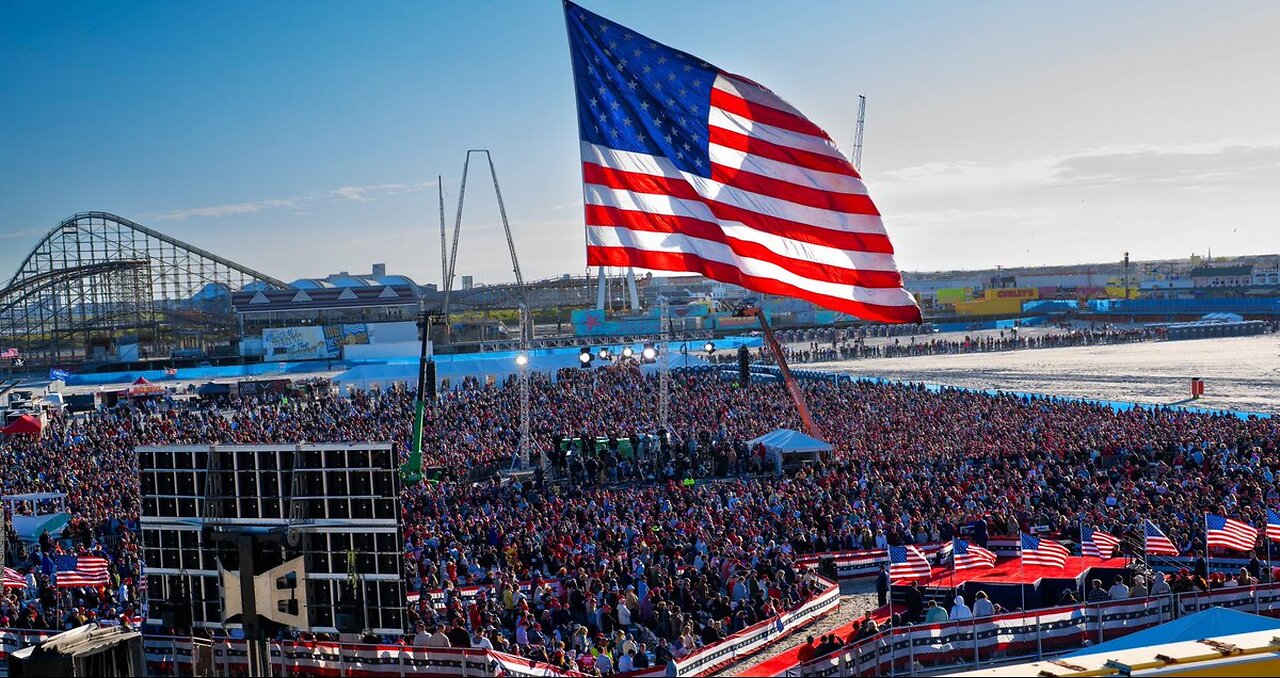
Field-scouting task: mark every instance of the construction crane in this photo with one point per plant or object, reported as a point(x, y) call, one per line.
point(748, 309)
point(857, 135)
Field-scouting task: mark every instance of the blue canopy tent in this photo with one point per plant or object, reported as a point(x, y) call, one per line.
point(1211, 623)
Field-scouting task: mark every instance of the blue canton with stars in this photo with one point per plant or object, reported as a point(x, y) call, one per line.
point(638, 95)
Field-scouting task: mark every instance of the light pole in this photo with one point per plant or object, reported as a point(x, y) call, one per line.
point(522, 361)
point(664, 364)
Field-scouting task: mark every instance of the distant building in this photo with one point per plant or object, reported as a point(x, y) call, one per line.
point(1266, 276)
point(1222, 276)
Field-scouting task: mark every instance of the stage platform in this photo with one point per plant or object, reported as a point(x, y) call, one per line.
point(1012, 571)
point(1013, 585)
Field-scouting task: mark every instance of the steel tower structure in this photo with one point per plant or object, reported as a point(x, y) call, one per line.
point(97, 281)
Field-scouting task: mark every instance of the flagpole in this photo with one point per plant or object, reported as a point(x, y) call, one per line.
point(1083, 592)
point(1022, 572)
point(1208, 561)
point(1267, 538)
point(953, 567)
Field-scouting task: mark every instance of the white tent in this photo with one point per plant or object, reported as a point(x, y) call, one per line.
point(787, 448)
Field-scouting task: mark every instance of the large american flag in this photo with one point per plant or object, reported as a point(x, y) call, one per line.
point(1154, 541)
point(75, 572)
point(1273, 525)
point(1037, 551)
point(965, 556)
point(1229, 533)
point(908, 562)
point(689, 168)
point(1097, 543)
point(13, 580)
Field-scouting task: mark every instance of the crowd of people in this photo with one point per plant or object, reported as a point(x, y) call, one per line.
point(807, 347)
point(635, 554)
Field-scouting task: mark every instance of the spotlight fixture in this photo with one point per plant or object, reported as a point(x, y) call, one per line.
point(522, 360)
point(709, 347)
point(649, 354)
point(627, 352)
point(604, 354)
point(584, 357)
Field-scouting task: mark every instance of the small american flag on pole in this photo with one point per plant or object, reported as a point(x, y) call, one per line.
point(1155, 543)
point(1273, 525)
point(75, 572)
point(687, 167)
point(1037, 551)
point(967, 556)
point(1229, 533)
point(908, 562)
point(1097, 543)
point(13, 580)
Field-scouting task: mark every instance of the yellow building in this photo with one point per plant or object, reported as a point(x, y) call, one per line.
point(1007, 301)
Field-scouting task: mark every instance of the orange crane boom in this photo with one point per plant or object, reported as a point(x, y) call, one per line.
point(793, 388)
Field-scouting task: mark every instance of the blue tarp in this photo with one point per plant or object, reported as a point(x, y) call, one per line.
point(1211, 623)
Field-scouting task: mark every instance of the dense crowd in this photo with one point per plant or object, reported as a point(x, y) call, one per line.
point(625, 555)
point(806, 347)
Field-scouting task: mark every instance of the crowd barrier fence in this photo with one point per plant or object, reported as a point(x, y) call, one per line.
point(226, 657)
point(1033, 635)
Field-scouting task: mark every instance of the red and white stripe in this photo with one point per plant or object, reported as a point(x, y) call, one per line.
point(1102, 545)
point(1234, 535)
point(783, 212)
point(13, 580)
point(916, 565)
point(975, 558)
point(1049, 554)
point(1155, 543)
point(90, 571)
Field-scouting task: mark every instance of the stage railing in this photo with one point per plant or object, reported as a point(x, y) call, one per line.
point(1033, 635)
point(173, 656)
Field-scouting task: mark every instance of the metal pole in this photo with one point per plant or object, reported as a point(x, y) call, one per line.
point(1039, 645)
point(453, 257)
point(664, 364)
point(893, 654)
point(511, 244)
point(254, 642)
point(444, 249)
point(524, 387)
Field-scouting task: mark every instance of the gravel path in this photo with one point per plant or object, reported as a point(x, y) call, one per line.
point(856, 598)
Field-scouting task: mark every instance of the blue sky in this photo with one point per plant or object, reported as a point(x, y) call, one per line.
point(305, 138)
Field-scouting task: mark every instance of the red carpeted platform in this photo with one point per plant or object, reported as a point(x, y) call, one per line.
point(1012, 571)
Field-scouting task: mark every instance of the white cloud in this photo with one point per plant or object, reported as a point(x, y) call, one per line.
point(353, 193)
point(23, 233)
point(1174, 165)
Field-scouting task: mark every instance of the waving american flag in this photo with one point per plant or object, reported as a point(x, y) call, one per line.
point(1273, 525)
point(1230, 533)
point(1046, 552)
point(1154, 541)
point(1097, 543)
point(75, 572)
point(13, 579)
point(967, 556)
point(690, 168)
point(908, 562)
